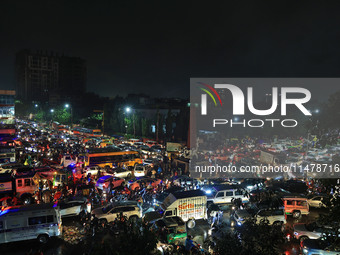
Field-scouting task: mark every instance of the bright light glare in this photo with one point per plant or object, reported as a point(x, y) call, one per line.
point(127, 109)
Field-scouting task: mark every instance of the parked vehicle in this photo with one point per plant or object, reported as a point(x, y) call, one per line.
point(20, 184)
point(137, 183)
point(170, 229)
point(121, 172)
point(139, 170)
point(93, 170)
point(312, 230)
point(225, 195)
point(188, 205)
point(29, 222)
point(317, 201)
point(130, 209)
point(318, 247)
point(296, 206)
point(274, 216)
point(74, 207)
point(240, 216)
point(104, 182)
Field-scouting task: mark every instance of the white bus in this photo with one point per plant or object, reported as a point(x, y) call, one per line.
point(38, 221)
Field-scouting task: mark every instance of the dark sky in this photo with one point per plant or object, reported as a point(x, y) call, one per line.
point(155, 48)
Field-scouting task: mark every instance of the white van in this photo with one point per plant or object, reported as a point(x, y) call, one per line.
point(39, 221)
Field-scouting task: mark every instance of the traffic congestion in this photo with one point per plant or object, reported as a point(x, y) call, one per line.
point(65, 190)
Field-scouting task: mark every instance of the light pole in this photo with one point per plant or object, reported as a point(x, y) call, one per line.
point(52, 111)
point(71, 112)
point(128, 110)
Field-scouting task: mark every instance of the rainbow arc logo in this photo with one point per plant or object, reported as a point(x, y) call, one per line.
point(204, 97)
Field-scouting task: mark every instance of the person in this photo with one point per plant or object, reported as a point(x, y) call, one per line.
point(189, 244)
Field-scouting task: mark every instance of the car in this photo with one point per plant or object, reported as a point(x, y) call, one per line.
point(274, 216)
point(150, 162)
point(240, 216)
point(312, 230)
point(184, 180)
point(130, 209)
point(139, 170)
point(317, 201)
point(144, 149)
point(121, 172)
point(296, 206)
point(318, 247)
point(135, 183)
point(74, 207)
point(104, 182)
point(93, 170)
point(170, 229)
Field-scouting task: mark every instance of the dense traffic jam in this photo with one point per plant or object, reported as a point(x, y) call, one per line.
point(51, 173)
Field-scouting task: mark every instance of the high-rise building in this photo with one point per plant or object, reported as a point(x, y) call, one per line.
point(40, 74)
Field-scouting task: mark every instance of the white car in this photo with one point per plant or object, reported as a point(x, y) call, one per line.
point(139, 170)
point(130, 209)
point(74, 208)
point(316, 201)
point(274, 216)
point(93, 170)
point(309, 231)
point(121, 173)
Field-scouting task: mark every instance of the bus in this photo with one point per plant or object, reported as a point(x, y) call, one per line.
point(87, 132)
point(7, 154)
point(109, 158)
point(28, 222)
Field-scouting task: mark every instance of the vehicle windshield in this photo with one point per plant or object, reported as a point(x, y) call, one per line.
point(310, 227)
point(107, 208)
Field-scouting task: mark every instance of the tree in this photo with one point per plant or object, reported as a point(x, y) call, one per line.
point(252, 238)
point(134, 238)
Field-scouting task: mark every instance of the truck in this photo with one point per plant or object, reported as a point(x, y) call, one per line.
point(20, 185)
point(188, 205)
point(268, 158)
point(173, 147)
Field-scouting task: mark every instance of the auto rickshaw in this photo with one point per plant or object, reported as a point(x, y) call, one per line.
point(171, 230)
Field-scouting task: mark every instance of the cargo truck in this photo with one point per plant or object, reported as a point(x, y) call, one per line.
point(188, 205)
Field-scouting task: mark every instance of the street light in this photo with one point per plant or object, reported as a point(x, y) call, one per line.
point(69, 106)
point(52, 110)
point(128, 110)
point(317, 111)
point(36, 106)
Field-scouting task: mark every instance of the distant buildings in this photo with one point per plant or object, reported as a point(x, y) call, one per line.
point(7, 111)
point(48, 77)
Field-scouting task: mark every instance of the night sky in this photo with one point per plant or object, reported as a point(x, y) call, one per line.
point(155, 48)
